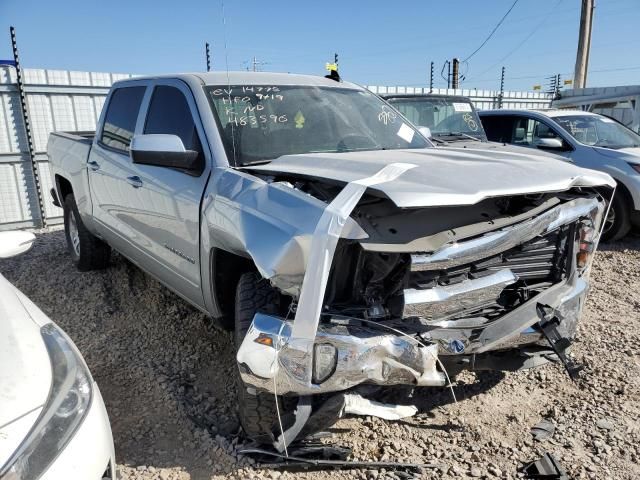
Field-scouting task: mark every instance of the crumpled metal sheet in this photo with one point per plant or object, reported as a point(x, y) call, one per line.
point(364, 356)
point(273, 223)
point(451, 176)
point(441, 301)
point(459, 253)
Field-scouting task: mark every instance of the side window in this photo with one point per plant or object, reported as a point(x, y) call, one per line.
point(528, 132)
point(411, 112)
point(121, 116)
point(499, 128)
point(169, 113)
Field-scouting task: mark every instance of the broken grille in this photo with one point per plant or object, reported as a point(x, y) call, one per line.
point(535, 265)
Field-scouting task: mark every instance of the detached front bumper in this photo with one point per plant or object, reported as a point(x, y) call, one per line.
point(347, 353)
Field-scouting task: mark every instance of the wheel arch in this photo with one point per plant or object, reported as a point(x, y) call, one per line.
point(225, 270)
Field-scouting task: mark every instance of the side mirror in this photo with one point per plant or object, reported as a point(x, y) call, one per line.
point(425, 131)
point(163, 150)
point(549, 143)
point(15, 242)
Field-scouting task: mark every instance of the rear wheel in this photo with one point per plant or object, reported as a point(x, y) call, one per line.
point(618, 221)
point(257, 410)
point(87, 251)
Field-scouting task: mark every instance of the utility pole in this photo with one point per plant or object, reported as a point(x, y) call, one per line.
point(208, 57)
point(456, 74)
point(431, 79)
point(255, 64)
point(584, 45)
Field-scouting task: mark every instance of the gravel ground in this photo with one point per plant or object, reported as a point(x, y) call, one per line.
point(166, 378)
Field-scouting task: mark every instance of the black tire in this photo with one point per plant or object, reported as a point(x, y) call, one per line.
point(618, 222)
point(257, 410)
point(87, 251)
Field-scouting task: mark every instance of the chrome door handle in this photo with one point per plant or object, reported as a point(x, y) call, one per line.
point(93, 165)
point(134, 181)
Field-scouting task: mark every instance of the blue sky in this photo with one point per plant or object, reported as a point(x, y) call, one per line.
point(379, 43)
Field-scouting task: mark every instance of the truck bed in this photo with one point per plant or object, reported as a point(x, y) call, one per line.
point(81, 136)
point(68, 154)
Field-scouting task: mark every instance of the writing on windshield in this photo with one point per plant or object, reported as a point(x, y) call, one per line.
point(261, 122)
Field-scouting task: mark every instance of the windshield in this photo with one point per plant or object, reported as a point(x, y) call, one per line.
point(445, 117)
point(598, 131)
point(260, 123)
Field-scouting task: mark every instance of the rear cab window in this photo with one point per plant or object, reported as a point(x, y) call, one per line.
point(120, 119)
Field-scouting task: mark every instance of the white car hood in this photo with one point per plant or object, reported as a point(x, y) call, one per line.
point(25, 368)
point(443, 176)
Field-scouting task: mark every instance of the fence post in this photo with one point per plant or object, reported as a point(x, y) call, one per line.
point(501, 95)
point(27, 129)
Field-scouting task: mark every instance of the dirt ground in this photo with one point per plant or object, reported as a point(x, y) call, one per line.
point(166, 376)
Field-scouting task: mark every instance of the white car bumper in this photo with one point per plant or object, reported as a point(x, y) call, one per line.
point(89, 455)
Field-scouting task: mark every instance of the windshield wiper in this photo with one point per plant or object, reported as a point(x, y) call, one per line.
point(462, 134)
point(438, 140)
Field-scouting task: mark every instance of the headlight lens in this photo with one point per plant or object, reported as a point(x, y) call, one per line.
point(635, 166)
point(68, 402)
point(587, 236)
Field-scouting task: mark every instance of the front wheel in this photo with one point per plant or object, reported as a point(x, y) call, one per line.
point(258, 411)
point(618, 221)
point(87, 251)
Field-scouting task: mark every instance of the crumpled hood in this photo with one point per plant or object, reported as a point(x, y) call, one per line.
point(631, 155)
point(472, 145)
point(25, 368)
point(451, 176)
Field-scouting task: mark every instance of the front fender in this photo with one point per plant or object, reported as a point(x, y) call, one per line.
point(272, 223)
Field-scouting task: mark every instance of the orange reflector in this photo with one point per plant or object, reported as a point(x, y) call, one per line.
point(264, 339)
point(582, 258)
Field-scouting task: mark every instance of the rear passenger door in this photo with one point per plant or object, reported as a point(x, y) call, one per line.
point(164, 209)
point(109, 162)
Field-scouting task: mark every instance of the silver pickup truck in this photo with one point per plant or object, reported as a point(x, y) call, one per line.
point(314, 220)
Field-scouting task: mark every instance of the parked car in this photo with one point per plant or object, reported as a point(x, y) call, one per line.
point(590, 141)
point(309, 216)
point(53, 422)
point(451, 121)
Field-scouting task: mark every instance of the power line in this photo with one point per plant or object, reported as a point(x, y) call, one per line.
point(531, 33)
point(492, 31)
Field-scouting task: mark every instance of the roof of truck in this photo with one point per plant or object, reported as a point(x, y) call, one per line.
point(252, 78)
point(550, 112)
point(416, 96)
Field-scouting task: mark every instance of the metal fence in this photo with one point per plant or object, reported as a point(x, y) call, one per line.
point(482, 99)
point(68, 100)
point(56, 100)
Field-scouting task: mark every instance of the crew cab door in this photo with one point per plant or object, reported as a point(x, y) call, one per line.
point(108, 164)
point(525, 131)
point(164, 202)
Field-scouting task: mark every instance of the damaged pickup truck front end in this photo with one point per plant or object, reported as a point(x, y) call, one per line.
point(393, 263)
point(473, 303)
point(447, 297)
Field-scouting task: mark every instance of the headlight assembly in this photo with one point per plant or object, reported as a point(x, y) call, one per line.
point(67, 405)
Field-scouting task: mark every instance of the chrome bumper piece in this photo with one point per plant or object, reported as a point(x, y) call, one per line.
point(459, 253)
point(283, 364)
point(440, 302)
